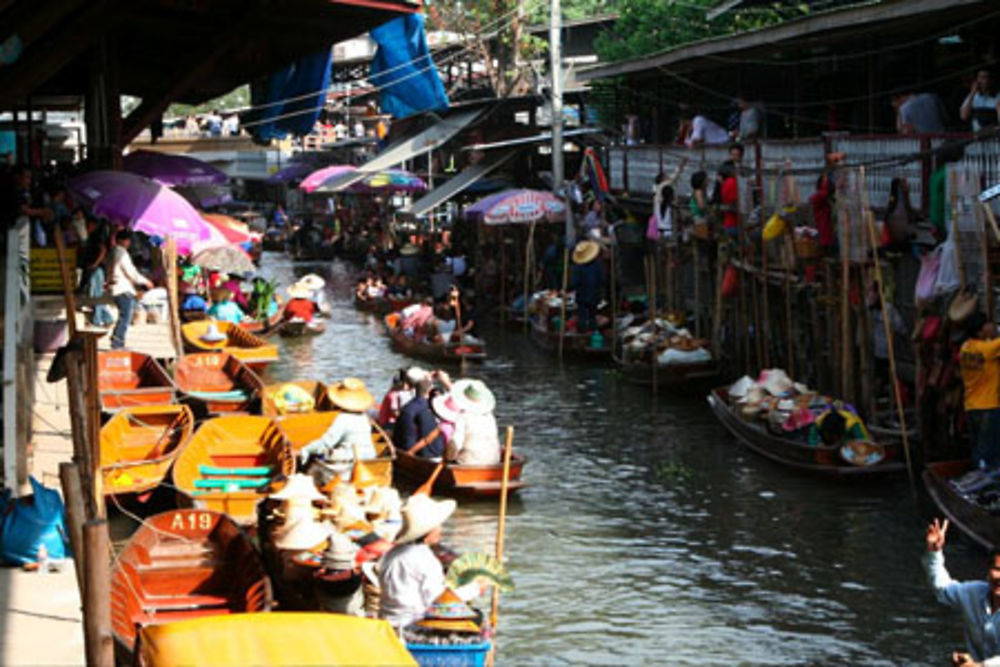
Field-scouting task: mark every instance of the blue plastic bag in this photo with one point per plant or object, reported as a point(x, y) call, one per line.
point(31, 521)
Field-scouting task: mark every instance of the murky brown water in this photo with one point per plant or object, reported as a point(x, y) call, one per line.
point(649, 536)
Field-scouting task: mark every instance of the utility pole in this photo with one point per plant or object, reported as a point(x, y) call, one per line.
point(555, 53)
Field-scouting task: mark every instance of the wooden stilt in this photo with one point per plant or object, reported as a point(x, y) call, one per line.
point(97, 594)
point(562, 307)
point(76, 516)
point(527, 270)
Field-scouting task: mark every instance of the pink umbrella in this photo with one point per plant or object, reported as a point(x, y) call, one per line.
point(321, 176)
point(145, 206)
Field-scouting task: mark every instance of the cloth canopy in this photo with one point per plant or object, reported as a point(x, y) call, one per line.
point(290, 100)
point(402, 69)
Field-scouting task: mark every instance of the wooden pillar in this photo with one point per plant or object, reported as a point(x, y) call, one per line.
point(76, 516)
point(99, 644)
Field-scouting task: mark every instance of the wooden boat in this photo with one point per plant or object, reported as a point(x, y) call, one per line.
point(181, 565)
point(482, 481)
point(139, 444)
point(301, 329)
point(257, 326)
point(381, 305)
point(229, 464)
point(263, 639)
point(252, 350)
point(316, 389)
point(438, 352)
point(302, 429)
point(670, 376)
point(126, 379)
point(575, 345)
point(975, 521)
point(821, 459)
point(219, 383)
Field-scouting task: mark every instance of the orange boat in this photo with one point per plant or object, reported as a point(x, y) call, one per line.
point(257, 326)
point(220, 383)
point(126, 378)
point(301, 429)
point(139, 444)
point(460, 480)
point(184, 564)
point(229, 464)
point(450, 352)
point(271, 404)
point(249, 348)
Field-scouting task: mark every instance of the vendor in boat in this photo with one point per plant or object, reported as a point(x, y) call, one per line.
point(475, 440)
point(835, 426)
point(314, 285)
point(979, 359)
point(224, 308)
point(588, 283)
point(350, 431)
point(403, 390)
point(410, 576)
point(976, 601)
point(416, 430)
point(234, 285)
point(300, 305)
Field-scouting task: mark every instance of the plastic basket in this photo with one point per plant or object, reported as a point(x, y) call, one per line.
point(457, 655)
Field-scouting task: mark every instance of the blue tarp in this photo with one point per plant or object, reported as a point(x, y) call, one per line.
point(402, 68)
point(33, 521)
point(310, 74)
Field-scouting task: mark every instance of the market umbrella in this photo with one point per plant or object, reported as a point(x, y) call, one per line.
point(389, 180)
point(517, 207)
point(235, 231)
point(170, 169)
point(204, 196)
point(317, 178)
point(225, 259)
point(295, 171)
point(146, 206)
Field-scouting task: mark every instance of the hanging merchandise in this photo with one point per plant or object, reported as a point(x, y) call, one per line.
point(930, 265)
point(948, 280)
point(730, 282)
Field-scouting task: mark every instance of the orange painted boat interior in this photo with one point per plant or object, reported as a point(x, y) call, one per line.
point(302, 429)
point(145, 433)
point(132, 378)
point(236, 337)
point(185, 564)
point(213, 372)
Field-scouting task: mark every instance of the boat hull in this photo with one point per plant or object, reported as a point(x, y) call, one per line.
point(973, 520)
point(461, 480)
point(820, 460)
point(249, 348)
point(132, 379)
point(574, 345)
point(208, 381)
point(442, 353)
point(140, 444)
point(672, 376)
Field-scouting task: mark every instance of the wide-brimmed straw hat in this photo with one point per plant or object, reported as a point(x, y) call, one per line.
point(212, 334)
point(298, 487)
point(304, 534)
point(585, 252)
point(311, 282)
point(299, 291)
point(350, 394)
point(421, 515)
point(340, 554)
point(408, 250)
point(473, 396)
point(415, 374)
point(445, 407)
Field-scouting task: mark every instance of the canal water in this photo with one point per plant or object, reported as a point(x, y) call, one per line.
point(649, 536)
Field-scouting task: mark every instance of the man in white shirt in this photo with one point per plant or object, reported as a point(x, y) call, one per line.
point(124, 279)
point(981, 107)
point(705, 132)
point(978, 602)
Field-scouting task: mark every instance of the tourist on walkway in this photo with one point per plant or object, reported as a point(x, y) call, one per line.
point(124, 280)
point(92, 257)
point(979, 358)
point(978, 602)
point(981, 108)
point(416, 430)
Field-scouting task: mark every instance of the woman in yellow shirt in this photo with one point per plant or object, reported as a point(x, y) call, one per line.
point(979, 359)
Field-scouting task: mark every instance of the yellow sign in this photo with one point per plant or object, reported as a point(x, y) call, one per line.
point(44, 269)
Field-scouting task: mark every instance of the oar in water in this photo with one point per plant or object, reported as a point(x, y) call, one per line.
point(427, 486)
point(501, 526)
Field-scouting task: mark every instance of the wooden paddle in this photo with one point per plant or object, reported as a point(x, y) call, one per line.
point(501, 527)
point(427, 486)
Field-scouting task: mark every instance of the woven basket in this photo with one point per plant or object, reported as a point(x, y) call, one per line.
point(807, 248)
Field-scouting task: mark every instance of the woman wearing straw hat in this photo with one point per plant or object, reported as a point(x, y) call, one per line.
point(410, 575)
point(475, 441)
point(350, 431)
point(300, 305)
point(588, 282)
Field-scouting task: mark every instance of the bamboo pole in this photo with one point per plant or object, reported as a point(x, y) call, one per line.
point(562, 304)
point(527, 270)
point(765, 334)
point(720, 269)
point(67, 283)
point(93, 420)
point(501, 528)
point(172, 296)
point(696, 260)
point(652, 311)
point(992, 220)
point(76, 516)
point(503, 279)
point(953, 214)
point(97, 597)
point(789, 331)
point(614, 299)
point(984, 244)
point(845, 307)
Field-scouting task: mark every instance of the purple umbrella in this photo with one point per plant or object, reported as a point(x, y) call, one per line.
point(170, 169)
point(146, 206)
point(296, 171)
point(517, 207)
point(321, 176)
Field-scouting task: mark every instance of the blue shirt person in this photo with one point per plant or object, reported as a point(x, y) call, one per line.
point(415, 423)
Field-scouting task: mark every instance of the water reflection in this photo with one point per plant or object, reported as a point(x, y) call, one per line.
point(648, 536)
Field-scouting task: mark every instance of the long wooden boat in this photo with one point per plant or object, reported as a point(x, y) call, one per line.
point(257, 326)
point(219, 383)
point(301, 329)
point(184, 564)
point(139, 444)
point(316, 389)
point(302, 429)
point(820, 459)
point(975, 521)
point(229, 464)
point(669, 376)
point(482, 481)
point(251, 349)
point(574, 345)
point(381, 305)
point(454, 353)
point(126, 379)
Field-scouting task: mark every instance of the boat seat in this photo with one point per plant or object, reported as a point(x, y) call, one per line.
point(180, 550)
point(161, 617)
point(160, 603)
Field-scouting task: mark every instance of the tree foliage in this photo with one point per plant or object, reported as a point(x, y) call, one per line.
point(649, 26)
